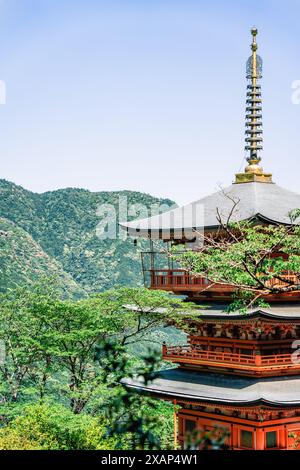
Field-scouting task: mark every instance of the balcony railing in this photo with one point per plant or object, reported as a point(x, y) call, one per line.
point(165, 278)
point(179, 279)
point(290, 278)
point(188, 354)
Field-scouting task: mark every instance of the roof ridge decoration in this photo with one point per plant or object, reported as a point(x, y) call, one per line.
point(253, 171)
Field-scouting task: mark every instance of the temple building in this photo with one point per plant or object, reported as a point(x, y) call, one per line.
point(238, 372)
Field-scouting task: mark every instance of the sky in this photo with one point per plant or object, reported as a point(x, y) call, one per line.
point(144, 95)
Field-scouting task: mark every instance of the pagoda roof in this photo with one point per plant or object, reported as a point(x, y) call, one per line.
point(222, 389)
point(266, 202)
point(216, 311)
point(284, 312)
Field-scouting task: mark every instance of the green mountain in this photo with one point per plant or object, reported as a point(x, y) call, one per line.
point(23, 261)
point(55, 233)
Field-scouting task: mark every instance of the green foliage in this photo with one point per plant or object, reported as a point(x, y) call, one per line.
point(129, 413)
point(58, 228)
point(45, 336)
point(253, 258)
point(163, 415)
point(75, 354)
point(53, 427)
point(23, 261)
point(215, 439)
point(134, 421)
point(243, 299)
point(52, 340)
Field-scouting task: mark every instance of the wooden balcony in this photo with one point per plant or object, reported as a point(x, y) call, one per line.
point(179, 281)
point(290, 277)
point(249, 364)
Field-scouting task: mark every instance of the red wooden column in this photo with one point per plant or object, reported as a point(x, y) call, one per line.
point(257, 359)
point(234, 436)
point(259, 439)
point(282, 437)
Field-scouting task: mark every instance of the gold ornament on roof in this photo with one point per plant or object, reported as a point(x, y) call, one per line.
point(254, 139)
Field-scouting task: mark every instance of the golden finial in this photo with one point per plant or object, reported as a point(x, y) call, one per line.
point(253, 171)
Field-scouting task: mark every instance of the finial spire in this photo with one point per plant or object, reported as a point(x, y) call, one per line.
point(253, 171)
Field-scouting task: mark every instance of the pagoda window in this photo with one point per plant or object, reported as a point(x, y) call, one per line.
point(190, 425)
point(246, 439)
point(271, 440)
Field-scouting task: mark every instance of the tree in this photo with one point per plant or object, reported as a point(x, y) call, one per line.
point(257, 260)
point(133, 418)
point(131, 314)
point(50, 343)
point(48, 426)
point(126, 420)
point(76, 353)
point(19, 332)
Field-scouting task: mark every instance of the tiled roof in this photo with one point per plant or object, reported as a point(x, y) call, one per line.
point(218, 388)
point(283, 311)
point(265, 201)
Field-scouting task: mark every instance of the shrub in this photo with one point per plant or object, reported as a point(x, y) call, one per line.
point(54, 427)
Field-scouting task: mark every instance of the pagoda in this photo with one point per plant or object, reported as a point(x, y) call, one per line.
point(238, 372)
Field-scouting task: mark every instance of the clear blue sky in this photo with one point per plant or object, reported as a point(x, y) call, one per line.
point(143, 95)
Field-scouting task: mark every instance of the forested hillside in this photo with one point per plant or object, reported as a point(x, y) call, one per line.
point(55, 233)
point(23, 261)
